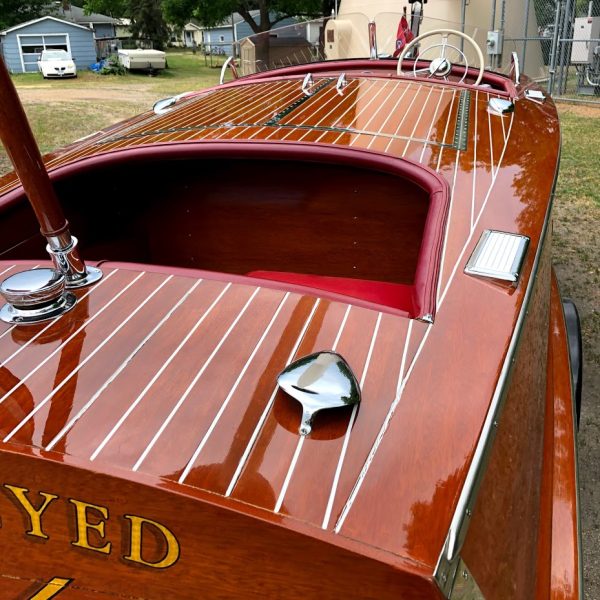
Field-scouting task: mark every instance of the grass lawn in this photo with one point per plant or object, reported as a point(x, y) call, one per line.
point(185, 71)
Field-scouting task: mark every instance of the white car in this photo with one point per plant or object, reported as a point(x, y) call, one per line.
point(56, 63)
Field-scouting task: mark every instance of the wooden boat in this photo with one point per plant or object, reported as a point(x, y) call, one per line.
point(252, 235)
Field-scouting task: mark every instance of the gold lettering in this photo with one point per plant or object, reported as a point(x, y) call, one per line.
point(83, 525)
point(34, 514)
point(135, 553)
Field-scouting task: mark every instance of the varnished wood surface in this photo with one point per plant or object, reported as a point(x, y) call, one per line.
point(390, 488)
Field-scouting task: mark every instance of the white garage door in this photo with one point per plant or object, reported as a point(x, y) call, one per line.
point(31, 46)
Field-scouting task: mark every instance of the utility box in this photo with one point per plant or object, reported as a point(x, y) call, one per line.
point(586, 29)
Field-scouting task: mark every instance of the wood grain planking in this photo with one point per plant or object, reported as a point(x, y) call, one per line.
point(216, 464)
point(93, 426)
point(321, 450)
point(268, 463)
point(175, 446)
point(65, 402)
point(132, 437)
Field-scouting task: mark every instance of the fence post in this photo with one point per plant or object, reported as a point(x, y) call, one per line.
point(553, 50)
point(525, 33)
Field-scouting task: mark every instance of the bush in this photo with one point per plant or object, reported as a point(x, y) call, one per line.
point(112, 66)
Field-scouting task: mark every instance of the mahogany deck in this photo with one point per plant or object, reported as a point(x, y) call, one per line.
point(171, 378)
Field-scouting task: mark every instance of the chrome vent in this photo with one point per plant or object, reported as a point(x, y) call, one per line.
point(498, 255)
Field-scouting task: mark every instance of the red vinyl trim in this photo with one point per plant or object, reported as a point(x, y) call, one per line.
point(426, 275)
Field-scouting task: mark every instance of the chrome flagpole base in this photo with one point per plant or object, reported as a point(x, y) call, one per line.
point(66, 259)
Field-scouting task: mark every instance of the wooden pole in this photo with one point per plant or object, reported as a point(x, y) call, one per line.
point(22, 149)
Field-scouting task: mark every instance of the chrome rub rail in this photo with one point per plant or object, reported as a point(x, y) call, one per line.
point(447, 567)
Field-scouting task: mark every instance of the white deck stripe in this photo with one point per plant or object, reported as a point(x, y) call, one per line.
point(194, 381)
point(48, 325)
point(446, 130)
point(289, 474)
point(76, 370)
point(392, 113)
point(292, 466)
point(345, 113)
point(402, 380)
point(385, 425)
point(474, 162)
point(491, 143)
point(169, 360)
point(381, 104)
point(406, 113)
point(121, 368)
point(26, 377)
point(418, 120)
point(433, 120)
point(447, 228)
point(267, 409)
point(467, 242)
point(219, 414)
point(342, 457)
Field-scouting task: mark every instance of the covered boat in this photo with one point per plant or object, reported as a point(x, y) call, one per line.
point(322, 355)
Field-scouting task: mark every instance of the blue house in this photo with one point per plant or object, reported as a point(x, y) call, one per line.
point(22, 44)
point(220, 39)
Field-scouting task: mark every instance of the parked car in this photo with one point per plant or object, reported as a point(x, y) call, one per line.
point(56, 63)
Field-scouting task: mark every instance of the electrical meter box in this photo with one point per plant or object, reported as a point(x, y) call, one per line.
point(586, 29)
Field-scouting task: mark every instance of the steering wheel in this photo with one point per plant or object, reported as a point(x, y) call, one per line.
point(441, 66)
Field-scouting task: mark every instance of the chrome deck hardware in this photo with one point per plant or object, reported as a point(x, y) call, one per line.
point(35, 295)
point(319, 381)
point(500, 106)
point(498, 255)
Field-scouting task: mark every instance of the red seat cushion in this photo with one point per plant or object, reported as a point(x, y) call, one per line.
point(394, 295)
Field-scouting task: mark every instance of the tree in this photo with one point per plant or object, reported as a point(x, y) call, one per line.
point(14, 12)
point(213, 12)
point(147, 21)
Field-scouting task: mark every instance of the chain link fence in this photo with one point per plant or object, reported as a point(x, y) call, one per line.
point(568, 35)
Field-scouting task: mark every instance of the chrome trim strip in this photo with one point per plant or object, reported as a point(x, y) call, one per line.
point(193, 383)
point(132, 406)
point(516, 67)
point(461, 131)
point(448, 560)
point(465, 587)
point(120, 369)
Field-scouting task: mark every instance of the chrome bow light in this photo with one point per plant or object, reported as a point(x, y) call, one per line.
point(319, 381)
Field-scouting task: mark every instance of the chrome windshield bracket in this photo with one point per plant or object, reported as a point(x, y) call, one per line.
point(342, 82)
point(308, 83)
point(516, 67)
point(372, 40)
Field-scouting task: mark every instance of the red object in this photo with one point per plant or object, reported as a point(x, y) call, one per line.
point(403, 36)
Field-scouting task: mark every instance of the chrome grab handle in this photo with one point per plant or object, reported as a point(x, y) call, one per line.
point(372, 40)
point(307, 83)
point(230, 62)
point(342, 82)
point(515, 67)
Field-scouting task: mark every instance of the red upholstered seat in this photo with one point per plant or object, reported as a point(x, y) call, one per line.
point(394, 295)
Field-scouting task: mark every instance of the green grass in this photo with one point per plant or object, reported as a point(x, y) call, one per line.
point(580, 160)
point(185, 71)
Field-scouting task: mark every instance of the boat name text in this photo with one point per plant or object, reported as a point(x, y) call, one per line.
point(89, 529)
